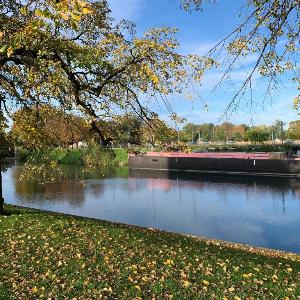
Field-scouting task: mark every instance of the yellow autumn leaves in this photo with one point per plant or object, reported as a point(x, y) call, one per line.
point(296, 102)
point(44, 14)
point(169, 262)
point(145, 69)
point(45, 255)
point(66, 10)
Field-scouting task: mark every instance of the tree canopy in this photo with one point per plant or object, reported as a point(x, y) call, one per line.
point(257, 134)
point(68, 54)
point(47, 126)
point(294, 130)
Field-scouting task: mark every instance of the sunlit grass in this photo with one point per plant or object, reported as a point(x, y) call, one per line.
point(52, 256)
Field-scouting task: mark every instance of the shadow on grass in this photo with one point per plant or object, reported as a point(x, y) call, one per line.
point(10, 210)
point(5, 292)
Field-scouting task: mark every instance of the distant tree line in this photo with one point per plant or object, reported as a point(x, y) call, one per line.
point(208, 132)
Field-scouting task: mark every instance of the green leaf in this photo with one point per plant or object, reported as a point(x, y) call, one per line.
point(3, 49)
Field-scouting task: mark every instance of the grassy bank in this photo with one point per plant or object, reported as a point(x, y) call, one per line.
point(52, 256)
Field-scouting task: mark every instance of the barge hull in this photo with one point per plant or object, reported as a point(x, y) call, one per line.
point(232, 166)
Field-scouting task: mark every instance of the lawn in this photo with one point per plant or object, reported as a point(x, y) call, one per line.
point(53, 256)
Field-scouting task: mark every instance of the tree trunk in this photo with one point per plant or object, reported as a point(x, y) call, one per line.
point(102, 140)
point(1, 195)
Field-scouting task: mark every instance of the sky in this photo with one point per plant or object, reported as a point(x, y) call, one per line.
point(198, 31)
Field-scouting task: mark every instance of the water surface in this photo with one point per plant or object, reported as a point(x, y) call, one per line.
point(252, 210)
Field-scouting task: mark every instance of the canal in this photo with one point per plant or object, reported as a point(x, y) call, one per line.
point(252, 210)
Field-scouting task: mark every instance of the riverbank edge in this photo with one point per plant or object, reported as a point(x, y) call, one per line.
point(267, 252)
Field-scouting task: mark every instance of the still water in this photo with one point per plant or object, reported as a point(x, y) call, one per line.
point(252, 210)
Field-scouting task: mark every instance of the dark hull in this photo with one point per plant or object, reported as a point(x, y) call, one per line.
point(233, 166)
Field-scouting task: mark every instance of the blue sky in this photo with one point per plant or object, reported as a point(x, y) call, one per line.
point(198, 32)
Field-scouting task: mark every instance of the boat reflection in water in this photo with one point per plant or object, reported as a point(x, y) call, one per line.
point(260, 211)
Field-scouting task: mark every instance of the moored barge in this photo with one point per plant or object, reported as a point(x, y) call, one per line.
point(234, 163)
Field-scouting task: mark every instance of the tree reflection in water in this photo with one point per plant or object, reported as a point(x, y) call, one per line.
point(69, 184)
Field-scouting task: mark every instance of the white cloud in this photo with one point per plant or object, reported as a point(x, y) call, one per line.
point(211, 78)
point(230, 82)
point(127, 9)
point(282, 109)
point(202, 47)
point(197, 47)
point(249, 59)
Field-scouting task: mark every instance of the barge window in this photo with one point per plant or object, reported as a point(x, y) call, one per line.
point(155, 160)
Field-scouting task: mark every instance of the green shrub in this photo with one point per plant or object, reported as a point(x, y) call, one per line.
point(94, 156)
point(57, 154)
point(97, 157)
point(72, 157)
point(121, 157)
point(39, 156)
point(22, 154)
